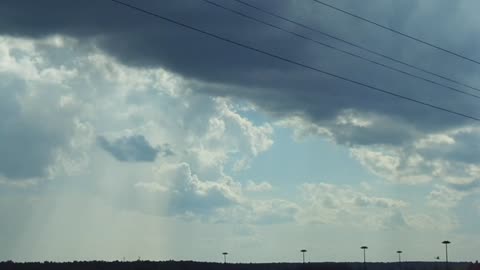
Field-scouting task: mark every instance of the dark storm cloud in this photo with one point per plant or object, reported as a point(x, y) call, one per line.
point(132, 148)
point(139, 40)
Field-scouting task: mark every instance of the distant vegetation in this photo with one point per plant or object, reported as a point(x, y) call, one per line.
point(189, 265)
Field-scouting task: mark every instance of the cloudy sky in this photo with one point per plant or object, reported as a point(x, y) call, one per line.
point(122, 135)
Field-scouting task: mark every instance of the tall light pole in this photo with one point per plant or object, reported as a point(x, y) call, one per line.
point(303, 254)
point(225, 257)
point(399, 259)
point(446, 242)
point(364, 256)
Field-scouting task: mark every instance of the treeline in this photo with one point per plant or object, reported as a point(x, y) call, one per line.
point(190, 265)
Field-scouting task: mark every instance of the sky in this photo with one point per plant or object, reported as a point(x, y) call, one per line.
point(125, 136)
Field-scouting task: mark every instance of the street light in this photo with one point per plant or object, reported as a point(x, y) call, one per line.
point(303, 254)
point(446, 242)
point(364, 257)
point(364, 248)
point(399, 256)
point(225, 257)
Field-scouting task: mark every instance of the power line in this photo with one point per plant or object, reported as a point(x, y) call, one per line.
point(238, 44)
point(397, 32)
point(339, 50)
point(276, 15)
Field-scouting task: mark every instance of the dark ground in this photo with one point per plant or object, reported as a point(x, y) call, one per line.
point(188, 265)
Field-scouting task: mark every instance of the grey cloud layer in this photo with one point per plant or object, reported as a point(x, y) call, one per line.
point(347, 114)
point(29, 135)
point(281, 88)
point(132, 148)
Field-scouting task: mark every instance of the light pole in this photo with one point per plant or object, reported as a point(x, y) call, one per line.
point(399, 256)
point(225, 257)
point(446, 242)
point(364, 256)
point(303, 254)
